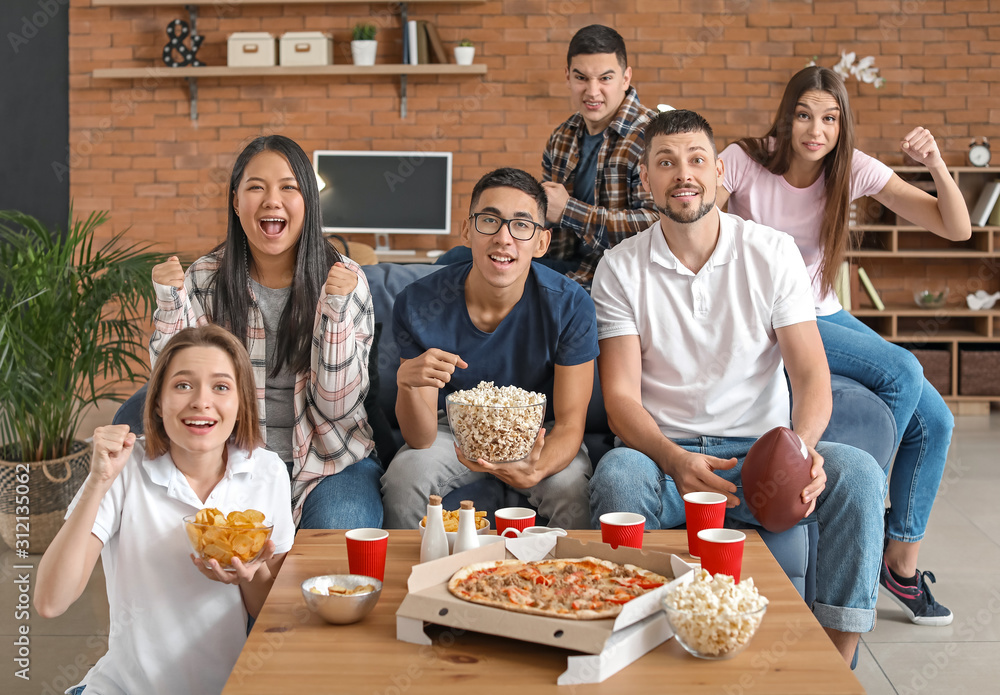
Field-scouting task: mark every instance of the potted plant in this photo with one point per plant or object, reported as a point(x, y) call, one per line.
point(73, 315)
point(465, 52)
point(363, 44)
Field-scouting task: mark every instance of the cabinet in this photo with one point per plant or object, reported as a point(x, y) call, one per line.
point(191, 74)
point(901, 258)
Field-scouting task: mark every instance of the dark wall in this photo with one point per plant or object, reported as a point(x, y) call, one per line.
point(34, 108)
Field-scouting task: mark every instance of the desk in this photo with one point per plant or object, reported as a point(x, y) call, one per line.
point(291, 650)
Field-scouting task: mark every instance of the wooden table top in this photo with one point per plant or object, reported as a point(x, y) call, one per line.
point(293, 650)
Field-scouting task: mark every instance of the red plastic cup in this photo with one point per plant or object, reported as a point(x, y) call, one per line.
point(722, 551)
point(518, 518)
point(622, 528)
point(366, 549)
point(702, 510)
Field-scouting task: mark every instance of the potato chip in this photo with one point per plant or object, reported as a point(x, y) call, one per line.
point(239, 534)
point(254, 517)
point(223, 555)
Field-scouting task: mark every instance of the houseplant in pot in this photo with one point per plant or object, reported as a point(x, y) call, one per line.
point(465, 52)
point(363, 44)
point(72, 318)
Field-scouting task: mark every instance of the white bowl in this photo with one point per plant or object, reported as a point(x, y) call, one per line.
point(452, 535)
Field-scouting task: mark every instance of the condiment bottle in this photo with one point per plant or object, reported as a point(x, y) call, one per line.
point(466, 538)
point(434, 544)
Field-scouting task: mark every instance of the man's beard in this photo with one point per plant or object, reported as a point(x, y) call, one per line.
point(687, 216)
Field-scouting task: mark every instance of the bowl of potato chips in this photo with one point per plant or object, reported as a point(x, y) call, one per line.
point(224, 536)
point(451, 526)
point(341, 598)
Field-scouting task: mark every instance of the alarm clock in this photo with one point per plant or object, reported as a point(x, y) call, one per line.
point(979, 153)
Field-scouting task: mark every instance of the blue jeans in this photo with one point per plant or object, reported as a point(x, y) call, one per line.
point(923, 420)
point(848, 512)
point(349, 499)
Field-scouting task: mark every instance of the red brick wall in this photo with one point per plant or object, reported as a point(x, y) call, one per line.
point(135, 151)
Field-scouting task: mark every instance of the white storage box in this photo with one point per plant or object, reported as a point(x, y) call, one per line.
point(251, 49)
point(305, 48)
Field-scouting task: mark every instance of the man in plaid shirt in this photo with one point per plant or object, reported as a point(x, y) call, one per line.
point(591, 163)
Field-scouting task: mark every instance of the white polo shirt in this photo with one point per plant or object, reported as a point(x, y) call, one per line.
point(710, 359)
point(172, 629)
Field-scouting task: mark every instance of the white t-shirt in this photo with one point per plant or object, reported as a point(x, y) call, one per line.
point(710, 359)
point(172, 629)
point(757, 194)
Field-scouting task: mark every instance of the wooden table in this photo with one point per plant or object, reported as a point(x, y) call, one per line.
point(292, 650)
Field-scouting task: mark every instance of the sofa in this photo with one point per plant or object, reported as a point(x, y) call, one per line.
point(859, 418)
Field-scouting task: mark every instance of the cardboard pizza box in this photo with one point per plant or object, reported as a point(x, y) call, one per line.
point(614, 642)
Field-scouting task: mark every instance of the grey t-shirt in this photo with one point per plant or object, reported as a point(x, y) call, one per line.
point(279, 390)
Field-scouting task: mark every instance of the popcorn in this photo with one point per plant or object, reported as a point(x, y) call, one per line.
point(496, 424)
point(715, 616)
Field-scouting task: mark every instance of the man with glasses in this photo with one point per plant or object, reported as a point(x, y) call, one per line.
point(498, 318)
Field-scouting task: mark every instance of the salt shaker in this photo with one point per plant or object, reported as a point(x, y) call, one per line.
point(434, 544)
point(466, 538)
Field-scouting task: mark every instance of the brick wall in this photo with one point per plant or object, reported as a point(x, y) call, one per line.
point(135, 151)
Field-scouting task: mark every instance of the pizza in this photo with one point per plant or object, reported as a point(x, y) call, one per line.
point(578, 589)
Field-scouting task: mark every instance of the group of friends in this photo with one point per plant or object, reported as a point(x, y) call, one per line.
point(700, 322)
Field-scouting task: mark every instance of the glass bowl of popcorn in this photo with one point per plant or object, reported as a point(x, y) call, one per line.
point(713, 617)
point(498, 424)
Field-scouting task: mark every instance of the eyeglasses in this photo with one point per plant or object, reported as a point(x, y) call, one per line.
point(489, 224)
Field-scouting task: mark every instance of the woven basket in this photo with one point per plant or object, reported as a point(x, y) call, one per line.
point(49, 489)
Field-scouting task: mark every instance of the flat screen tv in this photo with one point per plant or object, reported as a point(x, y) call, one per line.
point(384, 193)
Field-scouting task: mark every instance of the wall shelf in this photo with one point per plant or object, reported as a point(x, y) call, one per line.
point(191, 74)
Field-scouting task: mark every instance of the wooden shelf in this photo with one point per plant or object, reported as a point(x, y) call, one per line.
point(287, 70)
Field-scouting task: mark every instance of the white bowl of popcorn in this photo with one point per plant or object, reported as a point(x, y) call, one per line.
point(496, 424)
point(713, 617)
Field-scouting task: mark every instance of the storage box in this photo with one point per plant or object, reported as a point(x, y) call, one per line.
point(979, 372)
point(305, 48)
point(609, 644)
point(251, 49)
point(937, 368)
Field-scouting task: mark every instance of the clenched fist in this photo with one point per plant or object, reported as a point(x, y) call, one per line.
point(169, 273)
point(112, 447)
point(341, 281)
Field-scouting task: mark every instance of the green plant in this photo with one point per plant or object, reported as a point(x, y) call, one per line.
point(364, 32)
point(465, 42)
point(72, 319)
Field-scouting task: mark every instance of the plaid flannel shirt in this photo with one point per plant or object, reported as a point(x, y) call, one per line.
point(331, 430)
point(622, 208)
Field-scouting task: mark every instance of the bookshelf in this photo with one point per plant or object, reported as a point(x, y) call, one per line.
point(953, 342)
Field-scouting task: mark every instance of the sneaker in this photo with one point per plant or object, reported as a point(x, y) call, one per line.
point(916, 601)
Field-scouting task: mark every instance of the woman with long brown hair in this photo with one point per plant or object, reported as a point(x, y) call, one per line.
point(800, 178)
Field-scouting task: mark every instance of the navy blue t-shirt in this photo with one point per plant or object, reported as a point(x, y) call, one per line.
point(553, 323)
point(585, 178)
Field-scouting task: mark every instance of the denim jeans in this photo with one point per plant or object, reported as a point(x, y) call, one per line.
point(349, 499)
point(416, 473)
point(848, 512)
point(923, 420)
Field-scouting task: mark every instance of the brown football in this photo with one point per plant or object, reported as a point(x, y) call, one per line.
point(775, 471)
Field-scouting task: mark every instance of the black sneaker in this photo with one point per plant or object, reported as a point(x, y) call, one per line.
point(916, 601)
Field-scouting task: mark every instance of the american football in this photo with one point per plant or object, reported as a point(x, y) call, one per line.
point(775, 472)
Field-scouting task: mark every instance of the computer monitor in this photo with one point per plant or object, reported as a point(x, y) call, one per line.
point(384, 193)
